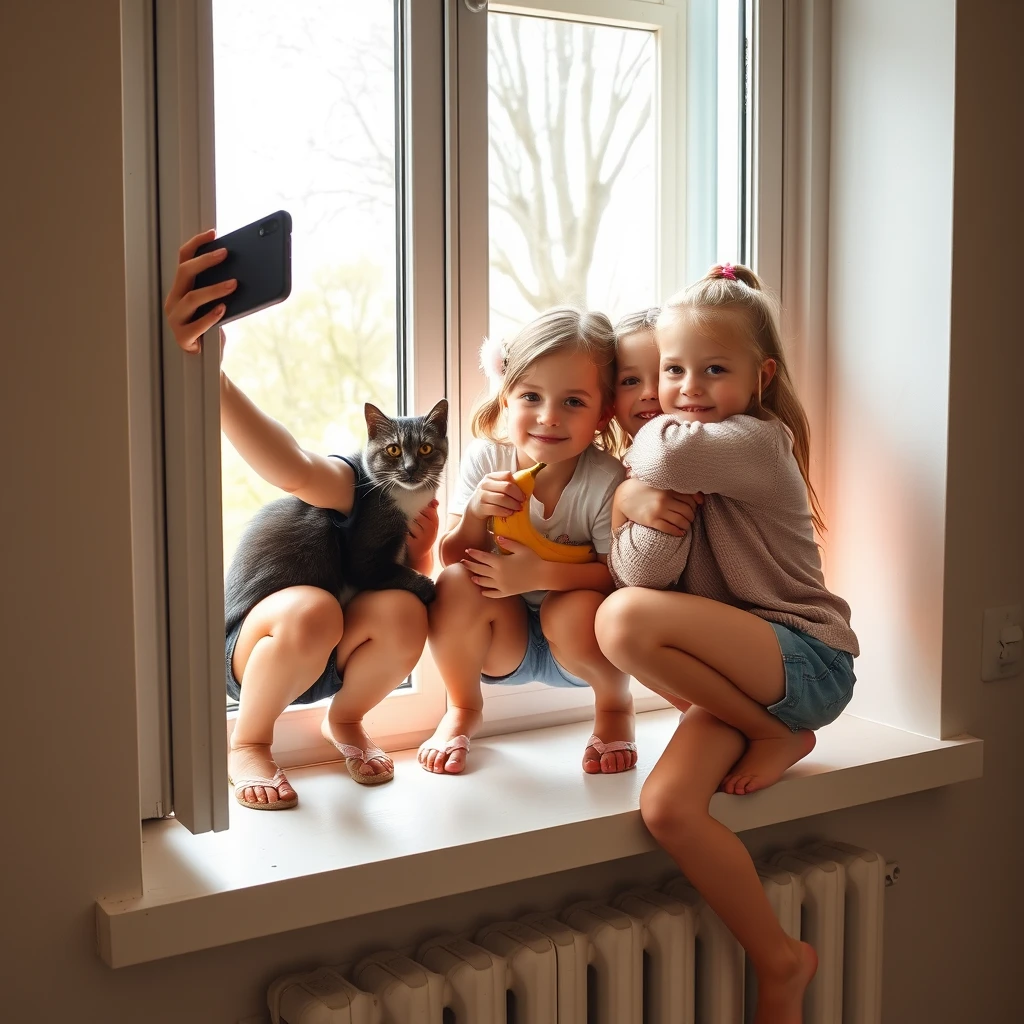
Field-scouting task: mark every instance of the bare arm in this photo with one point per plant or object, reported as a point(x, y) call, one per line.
point(263, 442)
point(588, 576)
point(273, 453)
point(497, 494)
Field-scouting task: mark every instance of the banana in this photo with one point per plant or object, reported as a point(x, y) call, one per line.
point(519, 526)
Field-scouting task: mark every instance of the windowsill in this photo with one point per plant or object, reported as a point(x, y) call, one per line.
point(524, 809)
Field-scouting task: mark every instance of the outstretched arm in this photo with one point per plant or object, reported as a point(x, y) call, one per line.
point(263, 442)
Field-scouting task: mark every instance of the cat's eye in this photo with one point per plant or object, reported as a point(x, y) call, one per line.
point(393, 450)
point(426, 449)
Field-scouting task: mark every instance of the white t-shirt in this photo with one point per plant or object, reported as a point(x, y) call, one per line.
point(583, 513)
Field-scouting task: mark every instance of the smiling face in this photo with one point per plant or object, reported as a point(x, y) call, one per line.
point(708, 372)
point(636, 380)
point(555, 408)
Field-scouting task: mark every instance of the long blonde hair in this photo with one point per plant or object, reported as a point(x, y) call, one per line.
point(559, 329)
point(738, 290)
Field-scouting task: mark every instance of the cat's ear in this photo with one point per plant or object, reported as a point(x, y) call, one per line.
point(438, 416)
point(375, 419)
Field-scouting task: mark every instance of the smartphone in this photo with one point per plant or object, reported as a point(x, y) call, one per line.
point(259, 258)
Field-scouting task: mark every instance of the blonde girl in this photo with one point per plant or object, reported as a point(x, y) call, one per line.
point(514, 618)
point(636, 404)
point(734, 617)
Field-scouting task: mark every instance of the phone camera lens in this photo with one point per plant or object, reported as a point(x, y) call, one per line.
point(268, 227)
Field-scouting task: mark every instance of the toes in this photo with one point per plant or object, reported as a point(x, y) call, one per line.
point(592, 762)
point(455, 762)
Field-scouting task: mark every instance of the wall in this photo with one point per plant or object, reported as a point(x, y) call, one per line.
point(71, 804)
point(890, 224)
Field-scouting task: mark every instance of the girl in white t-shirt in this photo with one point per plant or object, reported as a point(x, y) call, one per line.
point(515, 618)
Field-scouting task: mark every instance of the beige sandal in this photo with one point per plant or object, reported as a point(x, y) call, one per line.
point(280, 804)
point(356, 756)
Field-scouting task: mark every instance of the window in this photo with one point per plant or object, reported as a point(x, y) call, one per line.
point(617, 141)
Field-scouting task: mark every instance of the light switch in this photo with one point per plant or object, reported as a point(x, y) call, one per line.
point(1002, 650)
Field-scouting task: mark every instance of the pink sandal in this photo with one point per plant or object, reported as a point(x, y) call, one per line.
point(460, 742)
point(356, 756)
point(280, 804)
point(610, 748)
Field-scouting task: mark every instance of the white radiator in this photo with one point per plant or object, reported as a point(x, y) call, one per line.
point(650, 957)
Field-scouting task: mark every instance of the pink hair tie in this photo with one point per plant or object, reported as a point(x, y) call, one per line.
point(728, 272)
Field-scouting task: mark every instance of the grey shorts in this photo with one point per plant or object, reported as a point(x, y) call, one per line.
point(327, 684)
point(538, 664)
point(819, 680)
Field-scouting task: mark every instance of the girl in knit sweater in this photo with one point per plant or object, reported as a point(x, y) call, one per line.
point(733, 616)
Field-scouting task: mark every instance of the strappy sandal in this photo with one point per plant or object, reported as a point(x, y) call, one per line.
point(603, 748)
point(280, 804)
point(356, 756)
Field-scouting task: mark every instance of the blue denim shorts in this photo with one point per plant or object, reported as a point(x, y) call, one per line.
point(819, 680)
point(538, 664)
point(327, 684)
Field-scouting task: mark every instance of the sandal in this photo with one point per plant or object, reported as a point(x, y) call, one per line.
point(460, 742)
point(603, 748)
point(278, 805)
point(356, 756)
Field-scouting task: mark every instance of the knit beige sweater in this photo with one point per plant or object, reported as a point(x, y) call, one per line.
point(751, 544)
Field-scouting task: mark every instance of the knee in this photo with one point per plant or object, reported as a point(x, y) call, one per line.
point(456, 590)
point(666, 813)
point(618, 625)
point(314, 621)
point(567, 620)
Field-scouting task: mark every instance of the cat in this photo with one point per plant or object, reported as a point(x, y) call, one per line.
point(290, 543)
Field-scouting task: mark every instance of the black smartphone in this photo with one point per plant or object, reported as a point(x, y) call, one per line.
point(259, 258)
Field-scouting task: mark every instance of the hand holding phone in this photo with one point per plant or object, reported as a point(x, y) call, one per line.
point(259, 259)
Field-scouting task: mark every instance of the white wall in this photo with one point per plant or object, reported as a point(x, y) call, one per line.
point(70, 809)
point(890, 226)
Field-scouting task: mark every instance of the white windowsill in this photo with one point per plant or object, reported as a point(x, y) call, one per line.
point(525, 809)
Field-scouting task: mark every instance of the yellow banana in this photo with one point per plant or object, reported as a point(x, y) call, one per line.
point(519, 526)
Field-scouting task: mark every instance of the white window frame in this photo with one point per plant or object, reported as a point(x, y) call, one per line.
point(445, 216)
point(682, 253)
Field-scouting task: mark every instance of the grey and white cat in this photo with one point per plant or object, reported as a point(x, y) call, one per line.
point(289, 543)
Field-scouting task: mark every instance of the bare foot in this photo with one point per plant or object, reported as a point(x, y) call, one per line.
point(780, 996)
point(766, 760)
point(253, 761)
point(610, 726)
point(438, 754)
point(353, 734)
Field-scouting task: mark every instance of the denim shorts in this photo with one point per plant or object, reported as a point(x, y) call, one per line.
point(327, 684)
point(538, 664)
point(819, 680)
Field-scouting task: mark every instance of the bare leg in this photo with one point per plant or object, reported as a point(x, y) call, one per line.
point(718, 657)
point(674, 804)
point(385, 631)
point(469, 634)
point(567, 619)
point(282, 649)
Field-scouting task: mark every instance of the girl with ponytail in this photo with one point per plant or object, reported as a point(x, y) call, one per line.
point(731, 621)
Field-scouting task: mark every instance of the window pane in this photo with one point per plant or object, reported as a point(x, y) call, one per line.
point(305, 121)
point(573, 168)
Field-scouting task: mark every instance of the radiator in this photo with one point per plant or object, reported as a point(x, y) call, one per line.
point(650, 956)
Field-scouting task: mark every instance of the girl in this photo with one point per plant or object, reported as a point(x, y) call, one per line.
point(294, 646)
point(515, 618)
point(636, 403)
point(734, 617)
